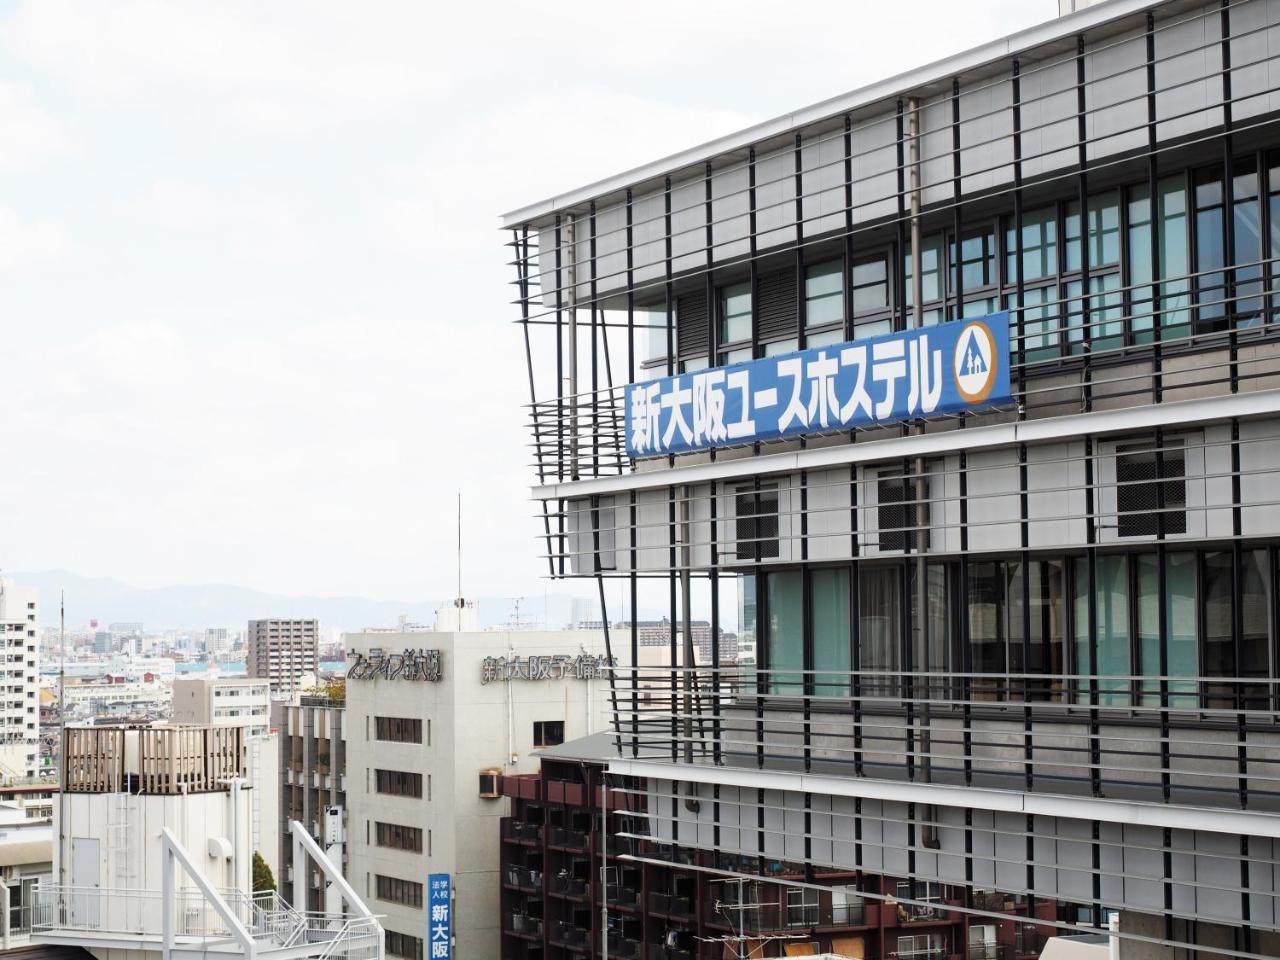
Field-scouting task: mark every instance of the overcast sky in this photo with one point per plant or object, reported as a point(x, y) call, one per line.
point(255, 312)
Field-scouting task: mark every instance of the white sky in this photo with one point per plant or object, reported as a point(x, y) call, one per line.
point(253, 297)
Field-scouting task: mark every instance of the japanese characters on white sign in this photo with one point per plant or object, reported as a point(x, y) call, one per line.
point(948, 368)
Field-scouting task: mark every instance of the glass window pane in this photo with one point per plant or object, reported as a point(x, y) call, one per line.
point(1219, 643)
point(1140, 264)
point(988, 629)
point(1180, 625)
point(824, 339)
point(829, 611)
point(651, 328)
point(1039, 314)
point(1247, 248)
point(1210, 284)
point(977, 260)
point(1174, 257)
point(735, 313)
point(824, 293)
point(779, 347)
point(1071, 227)
point(1254, 626)
point(931, 269)
point(880, 625)
point(1112, 602)
point(1039, 247)
point(1048, 614)
point(785, 604)
point(1104, 229)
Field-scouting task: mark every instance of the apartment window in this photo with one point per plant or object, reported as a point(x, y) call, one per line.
point(1144, 504)
point(398, 783)
point(824, 303)
point(735, 313)
point(653, 330)
point(756, 521)
point(872, 302)
point(399, 729)
point(398, 837)
point(548, 733)
point(403, 945)
point(395, 890)
point(880, 618)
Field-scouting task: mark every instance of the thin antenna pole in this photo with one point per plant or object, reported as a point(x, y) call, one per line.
point(459, 549)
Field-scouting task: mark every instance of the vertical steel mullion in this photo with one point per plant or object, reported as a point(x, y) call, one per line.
point(714, 577)
point(522, 240)
point(855, 615)
point(956, 269)
point(1153, 192)
point(631, 293)
point(604, 621)
point(713, 311)
point(674, 619)
point(752, 250)
point(762, 617)
point(670, 280)
point(1024, 527)
point(596, 328)
point(1018, 270)
point(635, 632)
point(904, 677)
point(846, 276)
point(1228, 293)
point(900, 311)
point(799, 188)
point(1162, 626)
point(966, 653)
point(1082, 192)
point(807, 661)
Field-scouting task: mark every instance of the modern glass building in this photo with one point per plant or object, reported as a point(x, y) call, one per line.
point(1011, 612)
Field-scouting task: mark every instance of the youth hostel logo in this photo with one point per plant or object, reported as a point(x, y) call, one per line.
point(975, 362)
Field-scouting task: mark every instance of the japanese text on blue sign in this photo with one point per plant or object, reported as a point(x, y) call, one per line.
point(439, 917)
point(948, 368)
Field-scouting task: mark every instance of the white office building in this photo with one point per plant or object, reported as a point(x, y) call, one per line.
point(434, 720)
point(19, 687)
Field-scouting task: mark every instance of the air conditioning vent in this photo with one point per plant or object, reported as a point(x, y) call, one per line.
point(490, 784)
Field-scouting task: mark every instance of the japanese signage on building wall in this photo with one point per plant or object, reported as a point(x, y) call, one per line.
point(949, 368)
point(585, 666)
point(439, 917)
point(424, 665)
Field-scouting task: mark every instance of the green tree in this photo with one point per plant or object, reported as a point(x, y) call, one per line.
point(263, 881)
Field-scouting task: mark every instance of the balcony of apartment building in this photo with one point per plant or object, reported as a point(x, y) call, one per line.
point(572, 931)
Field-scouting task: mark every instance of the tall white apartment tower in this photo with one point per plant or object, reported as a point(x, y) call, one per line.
point(284, 652)
point(19, 690)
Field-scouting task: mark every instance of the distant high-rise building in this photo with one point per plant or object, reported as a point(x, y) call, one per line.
point(284, 652)
point(19, 708)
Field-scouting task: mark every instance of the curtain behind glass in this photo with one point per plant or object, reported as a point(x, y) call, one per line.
point(880, 627)
point(785, 604)
point(829, 613)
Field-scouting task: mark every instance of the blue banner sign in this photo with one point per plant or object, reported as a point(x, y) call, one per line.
point(439, 917)
point(949, 368)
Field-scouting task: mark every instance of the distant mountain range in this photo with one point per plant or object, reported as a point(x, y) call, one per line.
point(222, 605)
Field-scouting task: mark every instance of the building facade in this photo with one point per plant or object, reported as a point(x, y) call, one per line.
point(19, 706)
point(559, 867)
point(313, 780)
point(960, 396)
point(224, 701)
point(434, 721)
point(286, 652)
point(243, 702)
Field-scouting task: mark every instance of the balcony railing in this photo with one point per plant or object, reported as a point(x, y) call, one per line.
point(1202, 740)
point(568, 886)
point(524, 878)
point(570, 934)
point(566, 838)
point(134, 914)
point(523, 925)
point(522, 832)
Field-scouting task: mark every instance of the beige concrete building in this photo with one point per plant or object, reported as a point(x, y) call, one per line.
point(286, 652)
point(434, 720)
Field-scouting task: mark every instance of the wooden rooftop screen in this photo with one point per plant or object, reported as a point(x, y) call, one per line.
point(167, 760)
